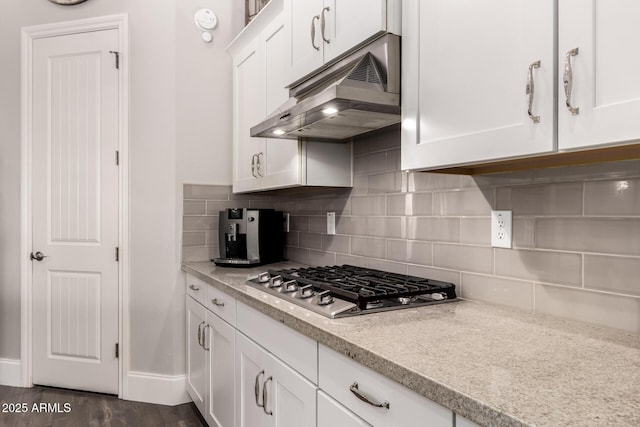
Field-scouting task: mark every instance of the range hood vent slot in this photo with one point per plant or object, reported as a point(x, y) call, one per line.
point(368, 71)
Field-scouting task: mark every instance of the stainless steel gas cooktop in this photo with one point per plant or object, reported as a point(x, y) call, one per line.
point(347, 290)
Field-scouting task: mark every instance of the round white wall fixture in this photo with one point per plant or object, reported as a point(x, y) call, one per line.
point(206, 19)
point(207, 37)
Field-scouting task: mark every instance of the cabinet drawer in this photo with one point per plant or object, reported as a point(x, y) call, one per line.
point(296, 350)
point(197, 289)
point(221, 304)
point(338, 374)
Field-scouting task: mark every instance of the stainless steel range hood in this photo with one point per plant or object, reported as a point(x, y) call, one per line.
point(356, 95)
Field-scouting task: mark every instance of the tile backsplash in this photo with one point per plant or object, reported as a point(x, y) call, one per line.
point(576, 231)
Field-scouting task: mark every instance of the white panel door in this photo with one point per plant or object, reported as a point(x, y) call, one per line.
point(251, 361)
point(281, 160)
point(75, 211)
point(332, 413)
point(603, 74)
point(350, 23)
point(220, 346)
point(196, 354)
point(249, 110)
point(306, 37)
point(469, 64)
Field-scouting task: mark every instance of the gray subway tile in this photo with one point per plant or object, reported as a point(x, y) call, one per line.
point(199, 253)
point(297, 254)
point(433, 229)
point(291, 238)
point(195, 238)
point(211, 237)
point(358, 261)
point(364, 246)
point(550, 199)
point(397, 250)
point(378, 141)
point(393, 227)
point(318, 224)
point(369, 163)
point(368, 205)
point(215, 206)
point(463, 203)
point(321, 258)
point(351, 225)
point(599, 235)
point(620, 197)
point(419, 252)
point(476, 259)
point(541, 266)
point(393, 267)
point(613, 274)
point(298, 223)
point(475, 231)
point(261, 204)
point(522, 233)
point(498, 290)
point(193, 223)
point(207, 192)
point(194, 207)
point(310, 207)
point(397, 204)
point(425, 181)
point(419, 204)
point(389, 182)
point(393, 160)
point(309, 240)
point(360, 185)
point(336, 243)
point(612, 311)
point(339, 205)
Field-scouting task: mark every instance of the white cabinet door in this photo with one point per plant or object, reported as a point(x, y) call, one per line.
point(281, 161)
point(605, 70)
point(289, 397)
point(220, 345)
point(270, 393)
point(466, 68)
point(306, 37)
point(249, 109)
point(250, 376)
point(331, 414)
point(196, 354)
point(351, 22)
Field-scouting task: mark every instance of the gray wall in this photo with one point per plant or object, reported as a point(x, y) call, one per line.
point(178, 85)
point(576, 231)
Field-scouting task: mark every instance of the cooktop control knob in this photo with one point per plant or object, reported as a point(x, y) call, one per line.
point(275, 282)
point(263, 277)
point(325, 298)
point(290, 286)
point(306, 291)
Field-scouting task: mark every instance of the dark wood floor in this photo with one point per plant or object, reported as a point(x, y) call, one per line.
point(88, 409)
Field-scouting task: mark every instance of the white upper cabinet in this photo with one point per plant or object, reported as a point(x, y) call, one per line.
point(261, 71)
point(478, 81)
point(597, 47)
point(322, 30)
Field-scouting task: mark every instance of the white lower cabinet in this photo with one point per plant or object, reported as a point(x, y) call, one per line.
point(269, 392)
point(210, 364)
point(332, 414)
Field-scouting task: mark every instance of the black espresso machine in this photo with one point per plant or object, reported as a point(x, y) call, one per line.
point(250, 237)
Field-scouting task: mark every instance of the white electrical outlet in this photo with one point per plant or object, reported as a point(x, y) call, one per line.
point(286, 222)
point(501, 229)
point(331, 223)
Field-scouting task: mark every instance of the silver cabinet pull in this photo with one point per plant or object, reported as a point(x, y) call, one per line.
point(194, 288)
point(200, 335)
point(254, 159)
point(204, 337)
point(313, 32)
point(257, 389)
point(265, 395)
point(567, 78)
point(259, 164)
point(217, 302)
point(323, 23)
point(531, 92)
point(354, 389)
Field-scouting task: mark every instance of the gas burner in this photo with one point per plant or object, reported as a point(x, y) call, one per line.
point(340, 291)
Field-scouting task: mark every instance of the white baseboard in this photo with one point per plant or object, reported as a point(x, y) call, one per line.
point(159, 389)
point(10, 372)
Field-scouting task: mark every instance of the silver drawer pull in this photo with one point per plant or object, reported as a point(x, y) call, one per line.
point(531, 92)
point(265, 396)
point(257, 389)
point(217, 302)
point(567, 78)
point(354, 389)
point(194, 288)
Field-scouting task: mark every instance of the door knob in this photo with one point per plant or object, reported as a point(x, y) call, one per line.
point(39, 256)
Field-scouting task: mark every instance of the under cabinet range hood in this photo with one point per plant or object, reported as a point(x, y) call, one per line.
point(358, 94)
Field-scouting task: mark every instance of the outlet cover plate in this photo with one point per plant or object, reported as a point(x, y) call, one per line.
point(501, 229)
point(331, 223)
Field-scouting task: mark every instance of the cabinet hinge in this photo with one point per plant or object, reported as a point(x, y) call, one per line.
point(117, 350)
point(117, 158)
point(117, 253)
point(117, 54)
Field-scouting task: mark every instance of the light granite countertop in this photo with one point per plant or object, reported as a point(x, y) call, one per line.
point(495, 366)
